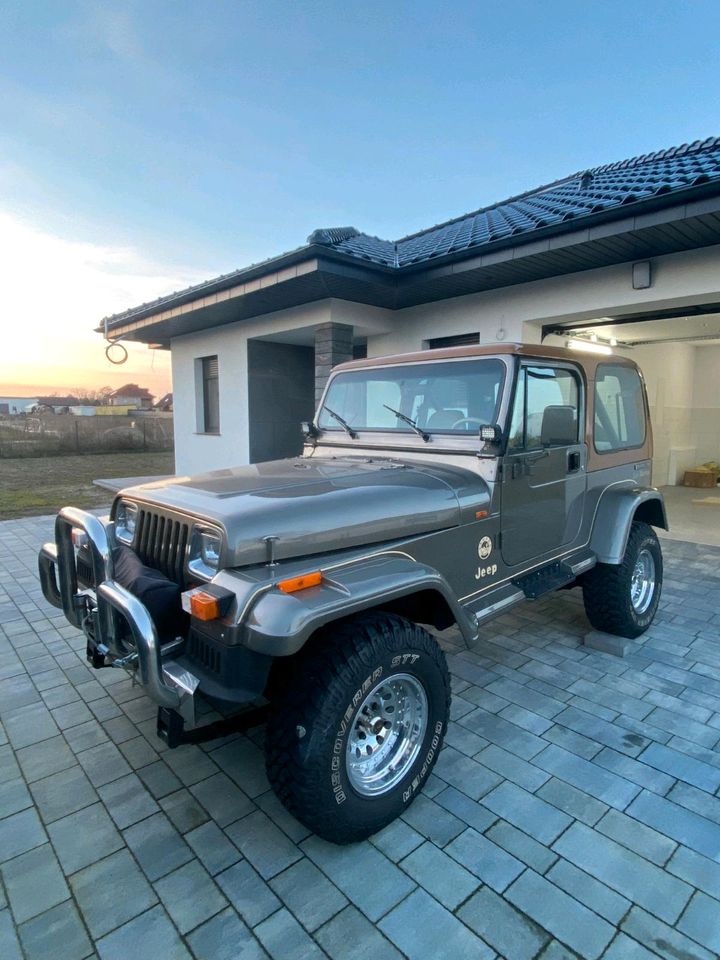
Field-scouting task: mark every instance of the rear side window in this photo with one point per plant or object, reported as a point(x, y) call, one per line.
point(619, 408)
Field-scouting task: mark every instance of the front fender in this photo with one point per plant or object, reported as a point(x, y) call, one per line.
point(280, 623)
point(616, 511)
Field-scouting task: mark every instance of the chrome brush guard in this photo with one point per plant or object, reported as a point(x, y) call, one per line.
point(100, 613)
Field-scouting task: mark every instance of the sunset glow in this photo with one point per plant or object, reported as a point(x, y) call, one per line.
point(55, 292)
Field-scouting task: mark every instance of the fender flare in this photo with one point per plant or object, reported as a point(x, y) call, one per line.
point(615, 514)
point(280, 623)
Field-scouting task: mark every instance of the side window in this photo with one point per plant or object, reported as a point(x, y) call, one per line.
point(619, 408)
point(546, 409)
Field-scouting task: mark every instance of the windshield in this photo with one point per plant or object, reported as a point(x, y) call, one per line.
point(449, 397)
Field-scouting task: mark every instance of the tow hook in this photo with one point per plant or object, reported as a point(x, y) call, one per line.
point(95, 655)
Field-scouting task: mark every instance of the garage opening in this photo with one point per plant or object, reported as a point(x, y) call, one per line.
point(678, 351)
point(281, 393)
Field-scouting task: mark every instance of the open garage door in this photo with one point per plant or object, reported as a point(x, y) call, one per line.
point(697, 324)
point(678, 351)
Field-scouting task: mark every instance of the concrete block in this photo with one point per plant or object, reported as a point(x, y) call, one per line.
point(607, 643)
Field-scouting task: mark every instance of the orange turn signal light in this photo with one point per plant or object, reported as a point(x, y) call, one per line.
point(293, 584)
point(204, 606)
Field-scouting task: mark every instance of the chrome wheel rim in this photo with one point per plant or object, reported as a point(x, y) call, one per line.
point(642, 584)
point(386, 735)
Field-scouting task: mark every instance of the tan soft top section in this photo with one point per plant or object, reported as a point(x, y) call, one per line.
point(588, 361)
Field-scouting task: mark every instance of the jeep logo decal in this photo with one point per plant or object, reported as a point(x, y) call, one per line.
point(485, 548)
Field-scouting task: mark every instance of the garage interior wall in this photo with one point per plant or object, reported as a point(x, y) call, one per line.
point(669, 369)
point(705, 429)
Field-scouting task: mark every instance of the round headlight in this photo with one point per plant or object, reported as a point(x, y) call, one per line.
point(125, 521)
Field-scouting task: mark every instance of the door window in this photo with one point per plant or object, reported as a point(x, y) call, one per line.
point(546, 409)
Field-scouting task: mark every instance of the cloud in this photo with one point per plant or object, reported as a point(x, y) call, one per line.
point(56, 290)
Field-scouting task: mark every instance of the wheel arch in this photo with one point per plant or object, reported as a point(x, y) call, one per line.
point(617, 511)
point(280, 624)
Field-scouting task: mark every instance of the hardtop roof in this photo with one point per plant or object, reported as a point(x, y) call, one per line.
point(542, 352)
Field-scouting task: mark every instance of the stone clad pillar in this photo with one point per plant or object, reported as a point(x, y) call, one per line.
point(333, 345)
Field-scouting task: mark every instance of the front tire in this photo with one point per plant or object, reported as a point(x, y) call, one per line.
point(358, 721)
point(622, 599)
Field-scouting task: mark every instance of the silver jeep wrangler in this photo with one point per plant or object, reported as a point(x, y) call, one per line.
point(435, 488)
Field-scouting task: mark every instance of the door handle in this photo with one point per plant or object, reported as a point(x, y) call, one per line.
point(573, 461)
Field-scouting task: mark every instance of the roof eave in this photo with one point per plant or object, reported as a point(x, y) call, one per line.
point(244, 275)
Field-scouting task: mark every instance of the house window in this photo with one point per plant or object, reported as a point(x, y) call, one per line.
point(619, 408)
point(208, 395)
point(459, 340)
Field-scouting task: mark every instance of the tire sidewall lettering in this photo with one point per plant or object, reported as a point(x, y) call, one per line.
point(404, 659)
point(339, 744)
point(419, 777)
point(337, 768)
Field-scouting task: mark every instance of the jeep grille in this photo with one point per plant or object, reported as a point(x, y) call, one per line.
point(161, 542)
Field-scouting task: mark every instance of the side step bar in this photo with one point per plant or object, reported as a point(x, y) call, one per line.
point(554, 576)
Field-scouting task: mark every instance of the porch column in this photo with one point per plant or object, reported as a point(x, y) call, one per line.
point(333, 345)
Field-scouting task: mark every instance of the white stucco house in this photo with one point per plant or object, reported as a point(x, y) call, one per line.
point(626, 256)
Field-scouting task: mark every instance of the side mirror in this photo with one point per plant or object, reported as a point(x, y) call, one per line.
point(309, 430)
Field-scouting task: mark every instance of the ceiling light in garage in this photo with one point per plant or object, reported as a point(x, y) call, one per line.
point(588, 347)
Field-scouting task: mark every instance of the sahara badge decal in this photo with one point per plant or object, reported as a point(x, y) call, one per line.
point(484, 550)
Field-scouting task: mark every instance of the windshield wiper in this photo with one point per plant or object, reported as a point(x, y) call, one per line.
point(410, 422)
point(343, 423)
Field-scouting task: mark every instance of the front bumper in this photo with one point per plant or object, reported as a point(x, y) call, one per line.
point(118, 627)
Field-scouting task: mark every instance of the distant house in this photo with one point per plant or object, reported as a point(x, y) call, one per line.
point(15, 405)
point(54, 404)
point(131, 395)
point(165, 403)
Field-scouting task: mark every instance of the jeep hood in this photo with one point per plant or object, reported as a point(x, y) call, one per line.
point(315, 505)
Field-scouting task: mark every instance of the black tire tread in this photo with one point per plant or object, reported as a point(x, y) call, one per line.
point(327, 664)
point(605, 588)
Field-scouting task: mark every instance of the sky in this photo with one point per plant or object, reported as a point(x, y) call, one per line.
point(148, 145)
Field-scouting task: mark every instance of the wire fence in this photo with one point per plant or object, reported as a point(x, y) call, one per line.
point(52, 435)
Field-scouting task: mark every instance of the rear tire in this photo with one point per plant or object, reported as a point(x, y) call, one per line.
point(359, 717)
point(622, 599)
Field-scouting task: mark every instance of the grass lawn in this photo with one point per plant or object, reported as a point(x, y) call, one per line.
point(29, 487)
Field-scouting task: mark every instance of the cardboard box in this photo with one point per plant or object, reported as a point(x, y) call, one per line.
point(700, 478)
